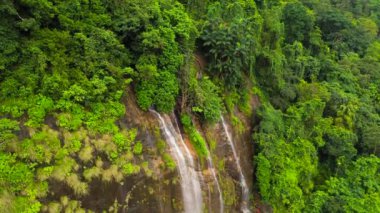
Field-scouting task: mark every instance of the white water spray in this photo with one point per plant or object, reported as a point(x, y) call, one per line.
point(210, 165)
point(191, 189)
point(243, 183)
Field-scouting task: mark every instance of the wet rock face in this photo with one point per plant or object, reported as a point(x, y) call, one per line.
point(154, 189)
point(157, 188)
point(135, 194)
point(224, 159)
point(244, 148)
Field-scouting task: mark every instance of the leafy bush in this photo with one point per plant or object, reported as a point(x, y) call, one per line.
point(229, 36)
point(169, 162)
point(15, 174)
point(69, 121)
point(37, 113)
point(298, 21)
point(157, 68)
point(138, 148)
point(7, 129)
point(196, 138)
point(207, 101)
point(129, 169)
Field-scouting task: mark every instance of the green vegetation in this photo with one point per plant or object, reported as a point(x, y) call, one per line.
point(65, 67)
point(230, 36)
point(319, 94)
point(195, 137)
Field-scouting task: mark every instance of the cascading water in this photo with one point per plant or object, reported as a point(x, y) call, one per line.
point(211, 167)
point(191, 189)
point(243, 183)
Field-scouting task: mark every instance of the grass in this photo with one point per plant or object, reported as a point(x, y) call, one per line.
point(129, 169)
point(147, 170)
point(105, 145)
point(86, 154)
point(229, 193)
point(112, 173)
point(138, 148)
point(64, 201)
point(99, 163)
point(44, 173)
point(80, 188)
point(54, 207)
point(63, 168)
point(74, 206)
point(92, 173)
point(169, 162)
point(195, 137)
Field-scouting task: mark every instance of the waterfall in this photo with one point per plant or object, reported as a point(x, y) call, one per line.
point(211, 167)
point(243, 183)
point(191, 189)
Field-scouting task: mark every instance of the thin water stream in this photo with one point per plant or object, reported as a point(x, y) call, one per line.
point(243, 182)
point(190, 185)
point(210, 165)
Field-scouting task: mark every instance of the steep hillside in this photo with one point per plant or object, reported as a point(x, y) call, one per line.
point(189, 106)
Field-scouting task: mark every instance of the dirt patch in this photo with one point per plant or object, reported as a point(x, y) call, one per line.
point(134, 116)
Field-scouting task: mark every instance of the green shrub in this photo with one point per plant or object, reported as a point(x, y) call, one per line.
point(22, 204)
point(263, 175)
point(166, 93)
point(44, 173)
point(145, 92)
point(7, 129)
point(14, 107)
point(129, 169)
point(169, 162)
point(196, 138)
point(54, 207)
point(69, 121)
point(112, 173)
point(15, 174)
point(231, 38)
point(74, 145)
point(92, 173)
point(120, 140)
point(41, 106)
point(42, 147)
point(86, 154)
point(80, 188)
point(206, 102)
point(161, 144)
point(63, 168)
point(138, 148)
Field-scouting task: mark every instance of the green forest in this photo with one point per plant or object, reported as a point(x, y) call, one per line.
point(68, 68)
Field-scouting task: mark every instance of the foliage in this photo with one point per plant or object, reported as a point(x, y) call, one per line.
point(298, 22)
point(195, 137)
point(16, 181)
point(138, 148)
point(229, 36)
point(319, 113)
point(169, 162)
point(65, 67)
point(159, 55)
point(7, 129)
point(356, 191)
point(207, 102)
